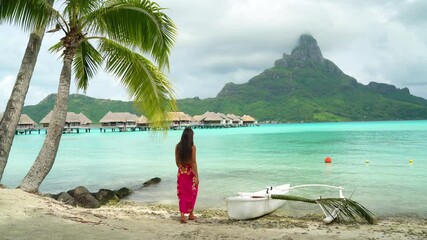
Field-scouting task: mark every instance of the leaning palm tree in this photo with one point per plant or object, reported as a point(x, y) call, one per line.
point(115, 34)
point(12, 113)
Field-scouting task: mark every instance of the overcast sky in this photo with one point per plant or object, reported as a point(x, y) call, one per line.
point(221, 41)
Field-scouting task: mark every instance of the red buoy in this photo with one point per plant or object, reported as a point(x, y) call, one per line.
point(328, 160)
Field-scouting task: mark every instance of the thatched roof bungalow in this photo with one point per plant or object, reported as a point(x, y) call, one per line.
point(193, 120)
point(84, 120)
point(236, 120)
point(248, 119)
point(25, 122)
point(119, 119)
point(211, 118)
point(72, 120)
point(198, 118)
point(227, 119)
point(180, 119)
point(142, 121)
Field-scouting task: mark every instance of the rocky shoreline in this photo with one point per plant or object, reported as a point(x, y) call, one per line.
point(82, 197)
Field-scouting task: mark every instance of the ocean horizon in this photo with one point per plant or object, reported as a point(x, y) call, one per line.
point(371, 160)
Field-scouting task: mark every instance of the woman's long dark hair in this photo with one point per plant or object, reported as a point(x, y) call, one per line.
point(185, 146)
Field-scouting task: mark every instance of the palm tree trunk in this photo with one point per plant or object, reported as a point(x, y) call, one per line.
point(44, 161)
point(11, 116)
point(16, 101)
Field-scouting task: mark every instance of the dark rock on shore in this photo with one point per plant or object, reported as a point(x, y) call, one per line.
point(84, 198)
point(152, 181)
point(81, 197)
point(123, 192)
point(105, 196)
point(66, 198)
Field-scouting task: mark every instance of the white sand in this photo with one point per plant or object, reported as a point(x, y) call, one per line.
point(28, 216)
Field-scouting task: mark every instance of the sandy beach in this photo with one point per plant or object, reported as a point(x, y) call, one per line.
point(29, 216)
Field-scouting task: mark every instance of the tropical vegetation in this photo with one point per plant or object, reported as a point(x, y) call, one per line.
point(116, 34)
point(312, 96)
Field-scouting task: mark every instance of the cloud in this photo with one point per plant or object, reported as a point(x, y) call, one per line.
point(6, 86)
point(106, 86)
point(413, 13)
point(34, 95)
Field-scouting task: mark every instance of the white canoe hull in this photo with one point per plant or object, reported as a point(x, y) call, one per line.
point(255, 204)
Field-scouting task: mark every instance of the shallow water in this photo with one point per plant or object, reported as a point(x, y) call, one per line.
point(247, 159)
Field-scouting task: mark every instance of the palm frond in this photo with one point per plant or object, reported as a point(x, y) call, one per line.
point(87, 61)
point(81, 7)
point(348, 209)
point(292, 198)
point(148, 86)
point(27, 14)
point(57, 47)
point(145, 27)
point(75, 9)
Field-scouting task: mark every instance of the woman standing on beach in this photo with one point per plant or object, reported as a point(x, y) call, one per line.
point(188, 177)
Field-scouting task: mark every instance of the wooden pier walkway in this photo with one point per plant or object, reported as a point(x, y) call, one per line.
point(122, 128)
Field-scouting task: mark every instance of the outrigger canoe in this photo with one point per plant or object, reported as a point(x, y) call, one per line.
point(248, 205)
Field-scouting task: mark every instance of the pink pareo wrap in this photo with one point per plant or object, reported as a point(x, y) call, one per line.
point(186, 188)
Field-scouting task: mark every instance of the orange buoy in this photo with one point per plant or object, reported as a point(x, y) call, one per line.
point(328, 160)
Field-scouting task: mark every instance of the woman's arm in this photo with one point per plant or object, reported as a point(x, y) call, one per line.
point(194, 164)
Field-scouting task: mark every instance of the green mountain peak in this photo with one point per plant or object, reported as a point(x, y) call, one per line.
point(307, 50)
point(307, 54)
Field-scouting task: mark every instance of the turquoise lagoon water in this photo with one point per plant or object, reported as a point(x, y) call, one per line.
point(247, 159)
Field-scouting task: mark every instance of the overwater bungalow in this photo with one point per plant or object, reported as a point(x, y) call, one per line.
point(198, 118)
point(228, 121)
point(120, 120)
point(180, 119)
point(193, 121)
point(211, 119)
point(85, 122)
point(236, 120)
point(25, 124)
point(248, 120)
point(73, 122)
point(143, 123)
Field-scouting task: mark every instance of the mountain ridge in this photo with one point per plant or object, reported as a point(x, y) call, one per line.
point(300, 87)
point(304, 86)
